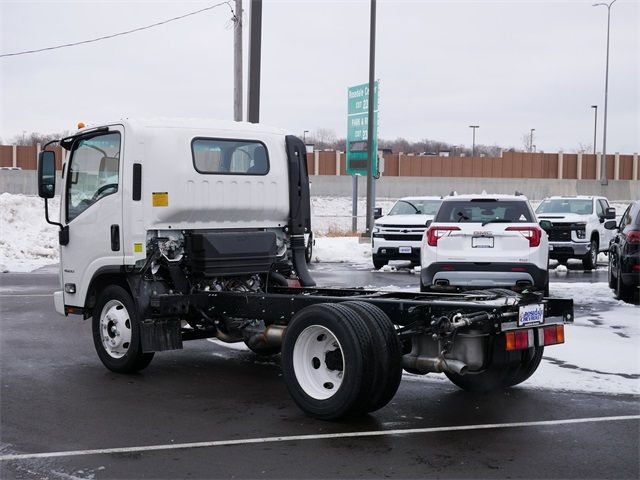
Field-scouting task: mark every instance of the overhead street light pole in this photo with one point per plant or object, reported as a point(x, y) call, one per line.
point(473, 144)
point(237, 63)
point(531, 140)
point(371, 119)
point(603, 165)
point(304, 136)
point(595, 127)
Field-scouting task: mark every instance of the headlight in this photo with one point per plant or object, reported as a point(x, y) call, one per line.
point(581, 230)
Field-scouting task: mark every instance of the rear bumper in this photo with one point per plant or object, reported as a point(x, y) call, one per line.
point(630, 277)
point(568, 249)
point(469, 274)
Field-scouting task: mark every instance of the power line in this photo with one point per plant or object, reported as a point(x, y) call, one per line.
point(105, 37)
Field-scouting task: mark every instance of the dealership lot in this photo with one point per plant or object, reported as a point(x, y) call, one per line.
point(57, 397)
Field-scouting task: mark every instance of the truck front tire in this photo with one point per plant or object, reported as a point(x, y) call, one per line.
point(590, 260)
point(116, 332)
point(328, 361)
point(378, 262)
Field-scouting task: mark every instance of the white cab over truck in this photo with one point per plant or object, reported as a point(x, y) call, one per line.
point(176, 230)
point(577, 227)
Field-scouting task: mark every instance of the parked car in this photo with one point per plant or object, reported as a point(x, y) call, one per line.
point(398, 235)
point(576, 227)
point(624, 254)
point(485, 241)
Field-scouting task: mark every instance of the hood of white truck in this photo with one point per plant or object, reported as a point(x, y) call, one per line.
point(418, 220)
point(563, 217)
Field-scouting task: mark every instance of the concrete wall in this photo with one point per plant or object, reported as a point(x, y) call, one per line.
point(24, 181)
point(535, 189)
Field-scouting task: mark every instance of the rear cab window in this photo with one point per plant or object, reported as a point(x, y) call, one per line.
point(485, 211)
point(229, 157)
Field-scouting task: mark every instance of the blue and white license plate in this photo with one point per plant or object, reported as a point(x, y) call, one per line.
point(404, 249)
point(531, 315)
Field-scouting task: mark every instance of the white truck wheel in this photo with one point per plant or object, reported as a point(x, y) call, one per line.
point(328, 361)
point(116, 332)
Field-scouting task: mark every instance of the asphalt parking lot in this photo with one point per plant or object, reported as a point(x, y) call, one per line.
point(213, 412)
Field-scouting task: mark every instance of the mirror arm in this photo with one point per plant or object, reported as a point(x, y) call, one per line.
point(46, 215)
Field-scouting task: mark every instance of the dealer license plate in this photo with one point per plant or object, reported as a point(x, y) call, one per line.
point(482, 242)
point(531, 315)
point(404, 249)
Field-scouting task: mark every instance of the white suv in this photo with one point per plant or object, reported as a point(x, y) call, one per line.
point(485, 241)
point(398, 235)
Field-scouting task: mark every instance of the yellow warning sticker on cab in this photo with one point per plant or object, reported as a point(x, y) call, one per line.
point(160, 199)
point(137, 248)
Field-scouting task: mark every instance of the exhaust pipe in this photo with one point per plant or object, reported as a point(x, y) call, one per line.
point(433, 365)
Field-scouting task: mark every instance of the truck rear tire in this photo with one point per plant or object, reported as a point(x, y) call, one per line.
point(116, 332)
point(388, 372)
point(329, 361)
point(506, 370)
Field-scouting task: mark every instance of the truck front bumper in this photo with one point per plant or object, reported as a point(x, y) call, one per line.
point(58, 301)
point(568, 249)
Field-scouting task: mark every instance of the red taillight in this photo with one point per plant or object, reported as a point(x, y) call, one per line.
point(553, 334)
point(633, 236)
point(533, 234)
point(636, 267)
point(435, 233)
point(518, 340)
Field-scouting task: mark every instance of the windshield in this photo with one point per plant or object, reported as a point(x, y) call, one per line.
point(485, 210)
point(410, 207)
point(93, 172)
point(566, 205)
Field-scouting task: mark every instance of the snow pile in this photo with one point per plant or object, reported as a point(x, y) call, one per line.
point(333, 214)
point(341, 249)
point(27, 241)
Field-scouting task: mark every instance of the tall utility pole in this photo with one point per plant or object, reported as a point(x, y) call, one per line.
point(255, 47)
point(237, 63)
point(595, 127)
point(371, 121)
point(531, 140)
point(603, 165)
point(473, 144)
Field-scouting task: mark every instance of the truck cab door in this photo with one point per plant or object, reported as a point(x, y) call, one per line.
point(91, 208)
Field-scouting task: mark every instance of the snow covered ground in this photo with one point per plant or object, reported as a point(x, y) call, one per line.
point(602, 353)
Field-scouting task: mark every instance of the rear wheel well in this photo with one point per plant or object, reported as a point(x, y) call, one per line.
point(98, 283)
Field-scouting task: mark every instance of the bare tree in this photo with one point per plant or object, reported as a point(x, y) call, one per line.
point(322, 138)
point(34, 138)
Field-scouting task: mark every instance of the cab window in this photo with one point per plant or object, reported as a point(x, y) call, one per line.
point(235, 157)
point(93, 172)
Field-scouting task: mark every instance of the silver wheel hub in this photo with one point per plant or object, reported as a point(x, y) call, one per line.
point(318, 362)
point(115, 329)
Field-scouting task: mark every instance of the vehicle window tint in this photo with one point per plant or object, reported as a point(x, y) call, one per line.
point(235, 157)
point(484, 210)
point(566, 205)
point(410, 207)
point(93, 172)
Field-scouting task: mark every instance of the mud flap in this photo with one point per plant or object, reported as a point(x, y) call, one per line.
point(160, 334)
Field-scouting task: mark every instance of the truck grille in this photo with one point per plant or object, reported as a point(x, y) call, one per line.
point(561, 232)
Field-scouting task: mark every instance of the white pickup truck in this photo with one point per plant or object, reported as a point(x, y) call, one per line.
point(576, 227)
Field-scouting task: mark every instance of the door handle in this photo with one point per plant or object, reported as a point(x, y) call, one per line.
point(115, 238)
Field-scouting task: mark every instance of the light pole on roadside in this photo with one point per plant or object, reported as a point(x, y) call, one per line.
point(595, 126)
point(603, 165)
point(304, 136)
point(473, 144)
point(531, 140)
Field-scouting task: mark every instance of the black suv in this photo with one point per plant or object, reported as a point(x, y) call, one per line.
point(624, 254)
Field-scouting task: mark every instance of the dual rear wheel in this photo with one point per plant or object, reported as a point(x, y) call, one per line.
point(341, 359)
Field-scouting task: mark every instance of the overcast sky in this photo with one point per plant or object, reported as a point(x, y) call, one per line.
point(507, 66)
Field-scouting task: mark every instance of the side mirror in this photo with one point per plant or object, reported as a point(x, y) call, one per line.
point(610, 213)
point(377, 213)
point(47, 174)
point(545, 225)
point(610, 225)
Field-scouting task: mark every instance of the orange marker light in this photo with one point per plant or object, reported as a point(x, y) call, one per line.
point(560, 333)
point(81, 125)
point(510, 338)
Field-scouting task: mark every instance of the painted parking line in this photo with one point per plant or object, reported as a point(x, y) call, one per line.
point(25, 295)
point(297, 438)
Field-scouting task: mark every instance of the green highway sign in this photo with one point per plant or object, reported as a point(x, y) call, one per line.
point(357, 129)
